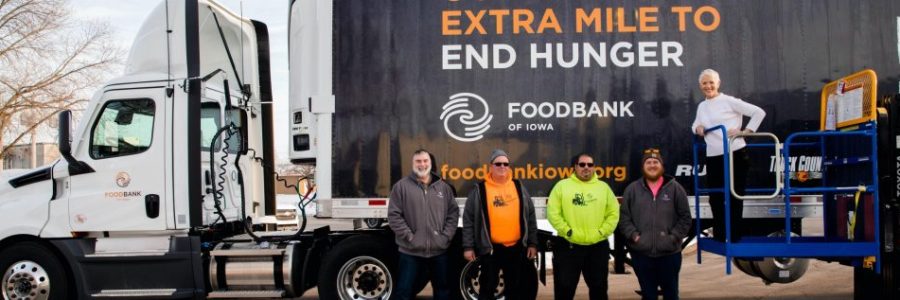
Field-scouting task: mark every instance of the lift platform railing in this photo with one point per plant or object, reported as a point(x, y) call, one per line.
point(868, 131)
point(847, 140)
point(786, 245)
point(727, 190)
point(698, 191)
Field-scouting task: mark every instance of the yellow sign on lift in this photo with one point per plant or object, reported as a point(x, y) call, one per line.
point(849, 101)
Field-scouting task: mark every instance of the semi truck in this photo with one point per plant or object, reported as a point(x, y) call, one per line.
point(164, 180)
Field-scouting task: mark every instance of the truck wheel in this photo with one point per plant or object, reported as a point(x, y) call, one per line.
point(781, 269)
point(469, 285)
point(32, 272)
point(374, 223)
point(359, 267)
point(745, 266)
point(775, 269)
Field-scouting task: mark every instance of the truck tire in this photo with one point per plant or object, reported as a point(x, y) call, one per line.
point(468, 281)
point(780, 270)
point(745, 266)
point(775, 269)
point(32, 272)
point(359, 267)
point(374, 223)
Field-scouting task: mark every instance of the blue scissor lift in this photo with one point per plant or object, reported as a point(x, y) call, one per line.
point(849, 189)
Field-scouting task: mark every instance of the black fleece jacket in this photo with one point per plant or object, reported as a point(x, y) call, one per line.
point(661, 222)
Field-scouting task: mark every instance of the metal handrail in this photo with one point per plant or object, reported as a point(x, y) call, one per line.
point(778, 176)
point(788, 190)
point(722, 189)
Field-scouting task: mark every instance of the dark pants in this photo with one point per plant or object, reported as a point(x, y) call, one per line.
point(653, 272)
point(715, 178)
point(509, 259)
point(411, 267)
point(570, 261)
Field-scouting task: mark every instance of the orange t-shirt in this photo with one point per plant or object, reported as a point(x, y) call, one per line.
point(503, 211)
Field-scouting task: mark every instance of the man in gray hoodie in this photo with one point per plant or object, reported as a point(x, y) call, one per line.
point(423, 214)
point(655, 218)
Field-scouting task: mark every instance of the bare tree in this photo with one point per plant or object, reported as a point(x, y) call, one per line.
point(48, 63)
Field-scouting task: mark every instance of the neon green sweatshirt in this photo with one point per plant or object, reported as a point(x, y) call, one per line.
point(589, 209)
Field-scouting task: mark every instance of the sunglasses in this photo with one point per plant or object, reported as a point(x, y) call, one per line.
point(501, 164)
point(652, 150)
point(585, 165)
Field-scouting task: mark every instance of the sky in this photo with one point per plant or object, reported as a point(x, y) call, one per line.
point(126, 16)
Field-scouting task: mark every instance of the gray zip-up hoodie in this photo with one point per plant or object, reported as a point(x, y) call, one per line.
point(423, 218)
point(476, 228)
point(661, 222)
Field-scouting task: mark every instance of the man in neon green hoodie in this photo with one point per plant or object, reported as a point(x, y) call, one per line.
point(584, 211)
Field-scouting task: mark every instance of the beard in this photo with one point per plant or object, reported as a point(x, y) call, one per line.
point(653, 176)
point(422, 173)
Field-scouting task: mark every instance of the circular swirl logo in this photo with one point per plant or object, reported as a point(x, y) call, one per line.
point(123, 179)
point(459, 109)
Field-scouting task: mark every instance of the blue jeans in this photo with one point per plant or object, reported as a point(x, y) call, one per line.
point(661, 272)
point(412, 267)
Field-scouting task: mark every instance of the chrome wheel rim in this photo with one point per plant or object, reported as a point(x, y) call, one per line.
point(469, 284)
point(364, 277)
point(26, 280)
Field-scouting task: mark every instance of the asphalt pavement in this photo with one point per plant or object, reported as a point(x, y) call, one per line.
point(708, 280)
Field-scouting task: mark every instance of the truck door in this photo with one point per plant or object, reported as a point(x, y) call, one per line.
point(125, 144)
point(223, 177)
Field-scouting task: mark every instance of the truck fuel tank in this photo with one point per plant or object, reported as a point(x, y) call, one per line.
point(252, 270)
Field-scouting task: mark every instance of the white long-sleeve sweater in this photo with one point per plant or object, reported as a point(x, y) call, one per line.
point(729, 111)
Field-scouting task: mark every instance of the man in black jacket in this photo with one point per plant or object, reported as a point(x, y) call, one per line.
point(655, 218)
point(499, 227)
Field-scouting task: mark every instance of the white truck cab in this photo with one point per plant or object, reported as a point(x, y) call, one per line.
point(168, 152)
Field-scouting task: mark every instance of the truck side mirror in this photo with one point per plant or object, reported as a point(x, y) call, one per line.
point(65, 140)
point(65, 145)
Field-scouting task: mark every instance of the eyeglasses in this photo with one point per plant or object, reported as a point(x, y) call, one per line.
point(585, 165)
point(652, 150)
point(501, 164)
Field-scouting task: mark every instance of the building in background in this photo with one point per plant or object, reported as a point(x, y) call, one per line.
point(28, 156)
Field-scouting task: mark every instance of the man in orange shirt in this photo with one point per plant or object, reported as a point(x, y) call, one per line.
point(500, 228)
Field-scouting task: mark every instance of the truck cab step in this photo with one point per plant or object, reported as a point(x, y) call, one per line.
point(135, 293)
point(247, 252)
point(246, 294)
point(127, 254)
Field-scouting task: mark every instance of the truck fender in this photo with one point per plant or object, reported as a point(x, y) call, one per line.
point(26, 209)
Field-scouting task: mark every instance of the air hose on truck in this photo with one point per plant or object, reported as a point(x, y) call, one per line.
point(229, 130)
